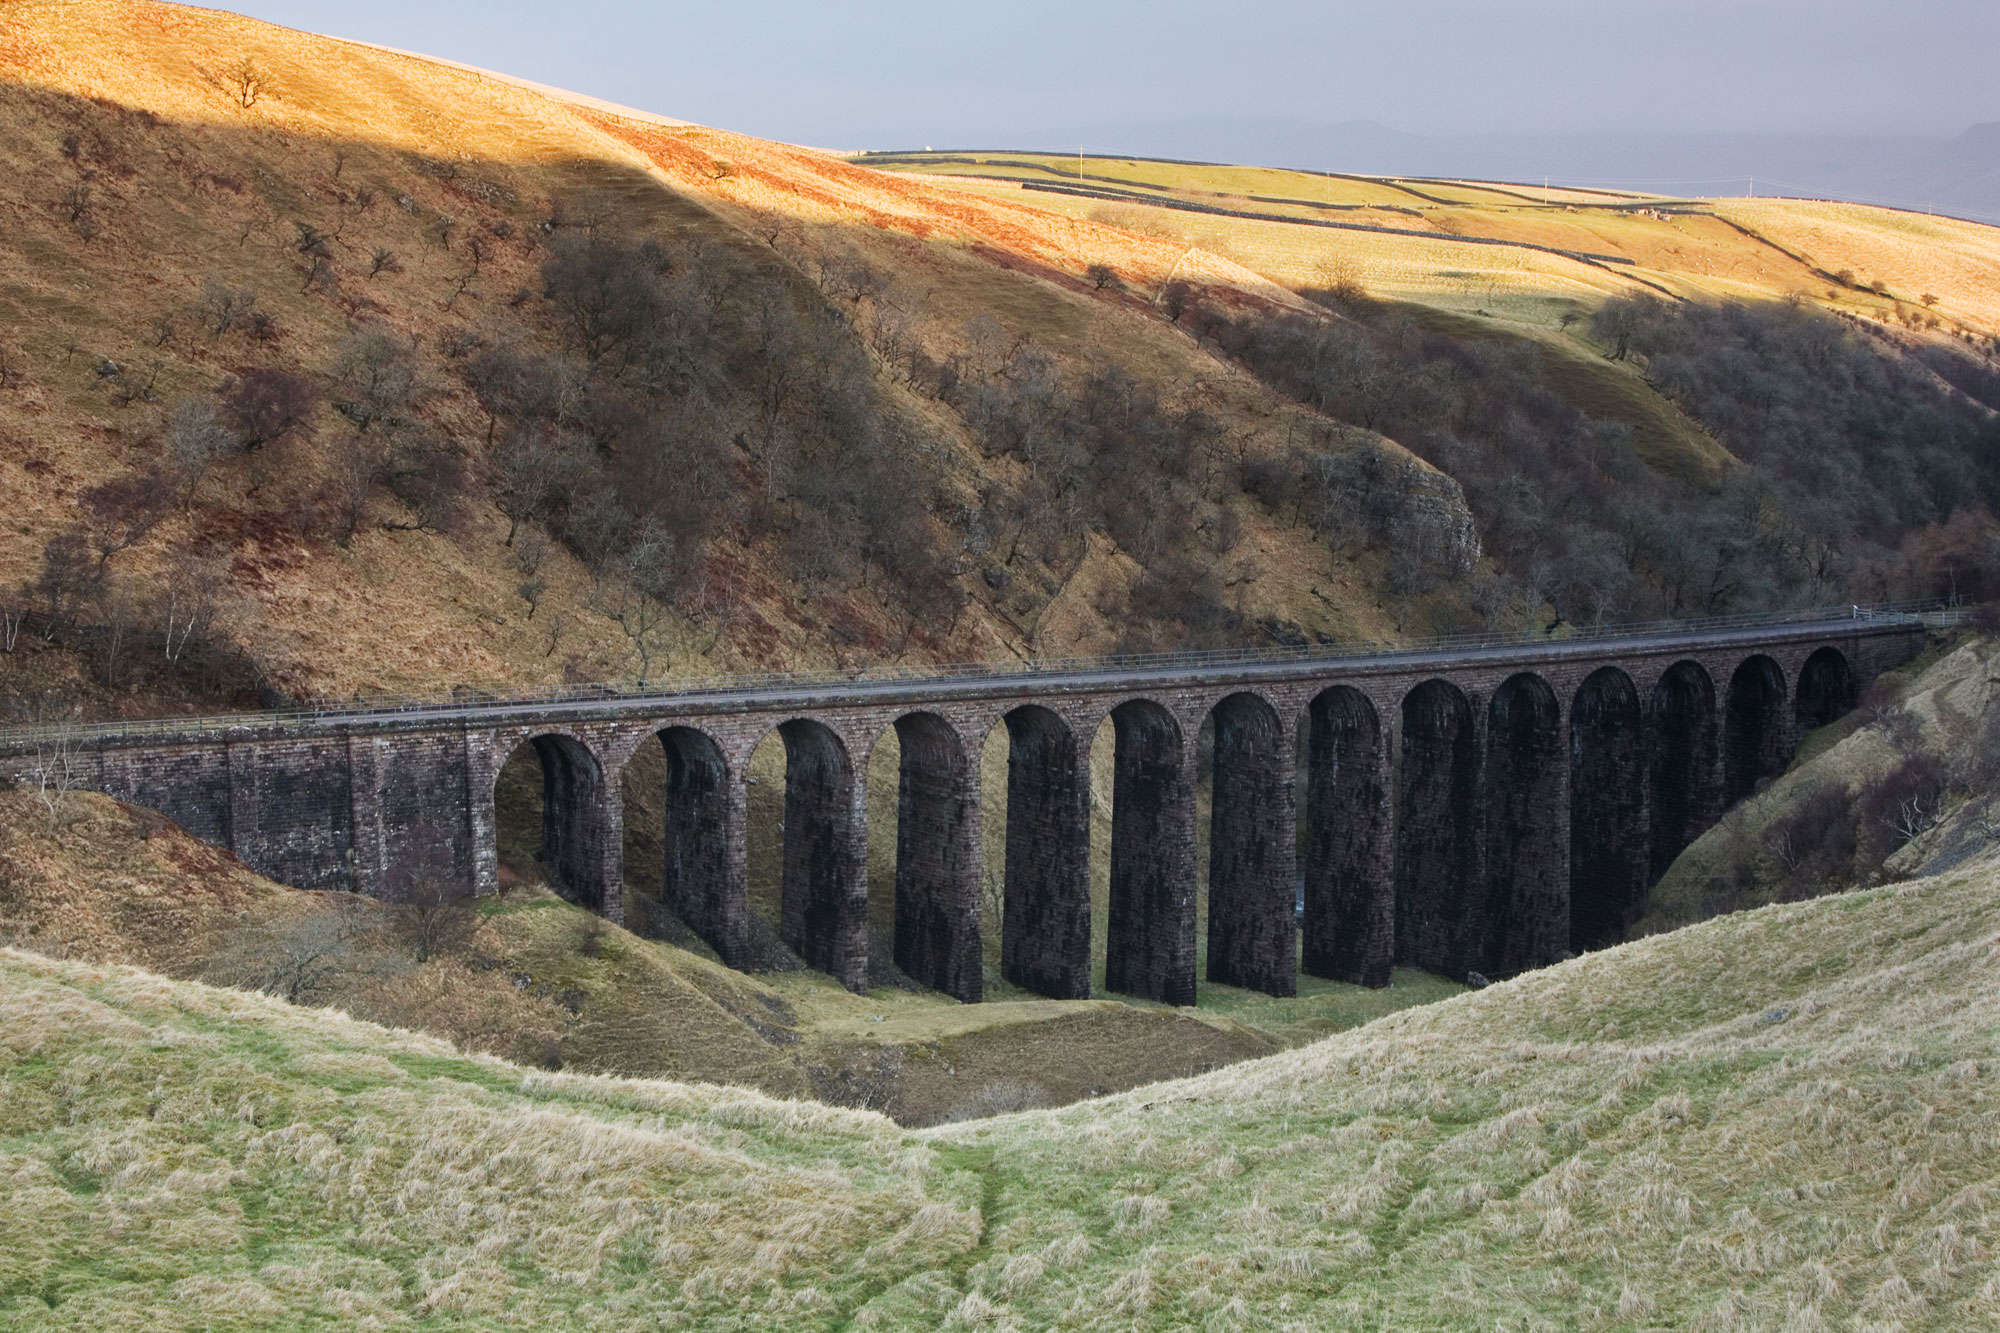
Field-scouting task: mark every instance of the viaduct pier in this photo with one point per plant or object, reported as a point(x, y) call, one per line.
point(1474, 805)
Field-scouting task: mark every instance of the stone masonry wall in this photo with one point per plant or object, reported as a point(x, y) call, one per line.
point(1398, 817)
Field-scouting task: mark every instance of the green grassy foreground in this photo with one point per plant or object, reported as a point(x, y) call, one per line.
point(1781, 1119)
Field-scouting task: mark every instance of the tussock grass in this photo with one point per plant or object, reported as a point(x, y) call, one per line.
point(1783, 1118)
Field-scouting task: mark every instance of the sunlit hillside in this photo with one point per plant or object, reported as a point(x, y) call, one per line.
point(1518, 250)
point(195, 197)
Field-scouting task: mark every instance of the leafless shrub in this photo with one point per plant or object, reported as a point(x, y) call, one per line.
point(268, 404)
point(122, 512)
point(310, 240)
point(593, 938)
point(435, 918)
point(58, 769)
point(1815, 841)
point(337, 507)
point(383, 261)
point(1904, 803)
point(458, 343)
point(301, 958)
point(224, 307)
point(190, 605)
point(76, 205)
point(193, 441)
point(125, 385)
point(375, 378)
point(430, 479)
point(528, 553)
point(320, 277)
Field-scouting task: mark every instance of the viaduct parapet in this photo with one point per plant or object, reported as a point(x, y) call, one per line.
point(1485, 808)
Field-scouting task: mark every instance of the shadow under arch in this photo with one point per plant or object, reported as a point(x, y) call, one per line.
point(1438, 906)
point(1252, 927)
point(1686, 796)
point(1350, 887)
point(1609, 850)
point(1527, 828)
point(1149, 944)
point(1045, 904)
point(1826, 689)
point(579, 835)
point(937, 932)
point(702, 871)
point(1757, 743)
point(823, 887)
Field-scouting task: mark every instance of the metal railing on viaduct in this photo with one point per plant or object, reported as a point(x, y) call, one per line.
point(1476, 804)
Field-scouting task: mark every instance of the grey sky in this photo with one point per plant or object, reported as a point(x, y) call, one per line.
point(898, 73)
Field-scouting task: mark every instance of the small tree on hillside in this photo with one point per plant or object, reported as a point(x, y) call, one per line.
point(224, 307)
point(375, 377)
point(247, 81)
point(122, 512)
point(300, 959)
point(268, 404)
point(435, 918)
point(193, 441)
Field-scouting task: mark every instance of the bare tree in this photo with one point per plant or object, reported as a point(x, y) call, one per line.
point(383, 261)
point(194, 440)
point(247, 81)
point(224, 307)
point(58, 766)
point(341, 500)
point(429, 477)
point(192, 602)
point(76, 205)
point(375, 378)
point(268, 404)
point(638, 600)
point(435, 918)
point(122, 512)
point(298, 958)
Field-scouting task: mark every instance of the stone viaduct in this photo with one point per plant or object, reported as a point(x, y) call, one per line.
point(1485, 808)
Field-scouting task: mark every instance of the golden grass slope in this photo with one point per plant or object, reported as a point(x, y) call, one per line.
point(1731, 248)
point(1780, 1119)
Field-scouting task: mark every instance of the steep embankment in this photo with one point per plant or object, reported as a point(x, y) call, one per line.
point(1781, 1117)
point(1902, 786)
point(531, 978)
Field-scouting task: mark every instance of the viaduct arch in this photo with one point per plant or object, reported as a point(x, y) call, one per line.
point(1483, 808)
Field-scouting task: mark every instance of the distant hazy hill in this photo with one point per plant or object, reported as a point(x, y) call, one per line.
point(1960, 176)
